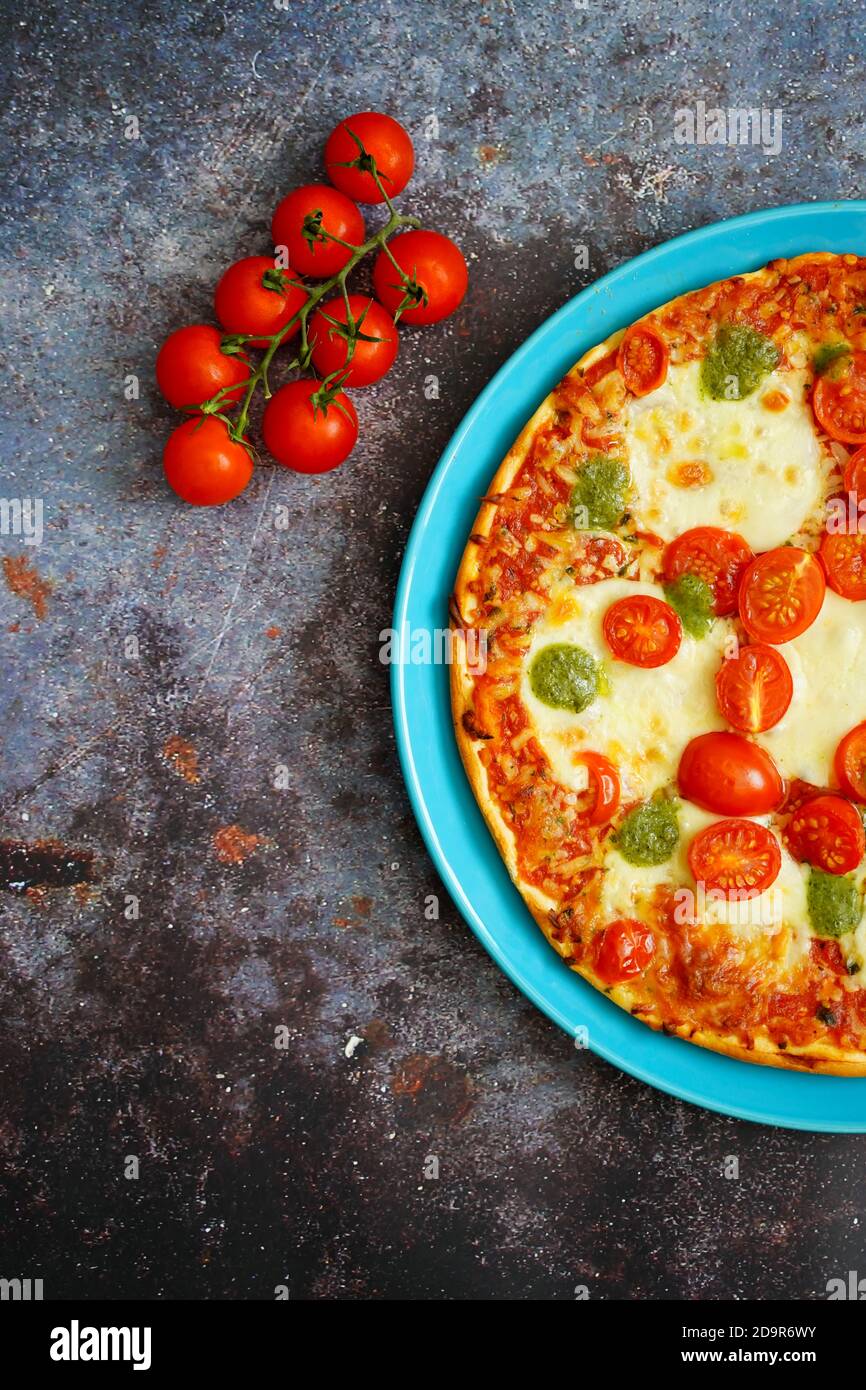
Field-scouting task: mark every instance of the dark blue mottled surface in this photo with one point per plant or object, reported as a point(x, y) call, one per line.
point(155, 1037)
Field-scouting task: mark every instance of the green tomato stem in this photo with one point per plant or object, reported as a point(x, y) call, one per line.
point(377, 242)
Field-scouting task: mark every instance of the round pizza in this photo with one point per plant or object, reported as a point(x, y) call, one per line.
point(659, 673)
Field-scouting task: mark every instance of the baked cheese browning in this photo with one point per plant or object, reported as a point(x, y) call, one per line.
point(611, 566)
point(759, 472)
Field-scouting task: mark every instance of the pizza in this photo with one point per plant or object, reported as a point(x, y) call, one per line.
point(663, 711)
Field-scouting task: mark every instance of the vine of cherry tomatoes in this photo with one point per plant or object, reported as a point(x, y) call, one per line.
point(345, 339)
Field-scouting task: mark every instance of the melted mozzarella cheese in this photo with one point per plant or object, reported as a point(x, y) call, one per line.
point(700, 462)
point(828, 666)
point(628, 889)
point(646, 717)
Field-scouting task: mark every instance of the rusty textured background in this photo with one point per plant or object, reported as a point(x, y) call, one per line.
point(537, 127)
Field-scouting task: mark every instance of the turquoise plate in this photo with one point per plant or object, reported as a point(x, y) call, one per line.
point(450, 821)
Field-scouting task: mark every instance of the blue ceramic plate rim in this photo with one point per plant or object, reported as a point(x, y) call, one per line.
point(444, 806)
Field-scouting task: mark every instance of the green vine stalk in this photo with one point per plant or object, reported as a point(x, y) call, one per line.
point(313, 232)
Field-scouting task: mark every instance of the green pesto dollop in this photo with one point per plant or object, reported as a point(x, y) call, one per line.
point(737, 362)
point(692, 598)
point(565, 676)
point(827, 354)
point(834, 903)
point(598, 496)
point(649, 834)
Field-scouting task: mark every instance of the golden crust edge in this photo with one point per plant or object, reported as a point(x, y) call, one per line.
point(821, 1060)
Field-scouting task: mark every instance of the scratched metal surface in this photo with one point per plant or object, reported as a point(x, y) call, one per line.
point(256, 647)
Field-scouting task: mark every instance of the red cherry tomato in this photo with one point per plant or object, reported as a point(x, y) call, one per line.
point(204, 464)
point(855, 474)
point(850, 763)
point(370, 360)
point(191, 367)
point(643, 630)
point(718, 557)
point(385, 140)
point(796, 793)
point(306, 437)
point(839, 399)
point(604, 787)
point(643, 358)
point(625, 950)
point(754, 688)
point(728, 774)
point(437, 272)
point(781, 594)
point(827, 832)
point(245, 304)
point(739, 858)
point(329, 209)
point(843, 556)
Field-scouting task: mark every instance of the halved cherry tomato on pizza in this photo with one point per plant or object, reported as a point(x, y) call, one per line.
point(739, 858)
point(643, 630)
point(625, 950)
point(828, 833)
point(855, 473)
point(643, 358)
point(730, 775)
point(850, 763)
point(843, 555)
point(839, 399)
point(718, 557)
point(781, 594)
point(604, 786)
point(798, 791)
point(754, 688)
